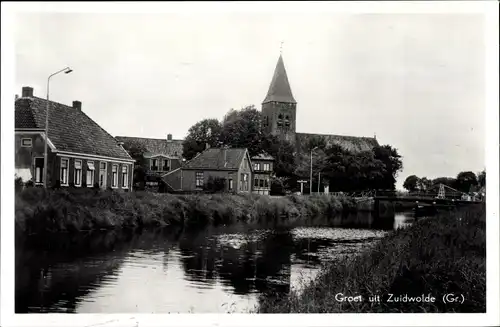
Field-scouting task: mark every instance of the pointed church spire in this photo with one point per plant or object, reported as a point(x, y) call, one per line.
point(279, 90)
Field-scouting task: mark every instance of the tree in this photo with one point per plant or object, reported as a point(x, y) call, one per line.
point(137, 151)
point(481, 179)
point(347, 171)
point(303, 163)
point(206, 131)
point(448, 181)
point(465, 180)
point(243, 129)
point(411, 183)
point(283, 153)
point(424, 184)
point(392, 162)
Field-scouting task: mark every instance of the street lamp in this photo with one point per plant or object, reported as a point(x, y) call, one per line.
point(311, 179)
point(66, 70)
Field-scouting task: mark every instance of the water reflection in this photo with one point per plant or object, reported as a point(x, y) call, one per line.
point(217, 270)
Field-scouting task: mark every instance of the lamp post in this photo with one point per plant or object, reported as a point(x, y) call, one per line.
point(66, 70)
point(311, 178)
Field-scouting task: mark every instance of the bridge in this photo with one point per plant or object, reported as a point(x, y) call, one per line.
point(444, 195)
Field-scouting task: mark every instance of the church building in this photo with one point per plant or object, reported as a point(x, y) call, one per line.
point(279, 110)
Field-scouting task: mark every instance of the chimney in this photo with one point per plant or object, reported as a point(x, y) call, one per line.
point(169, 137)
point(17, 96)
point(77, 105)
point(27, 92)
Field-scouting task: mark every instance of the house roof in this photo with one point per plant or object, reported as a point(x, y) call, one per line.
point(213, 159)
point(279, 89)
point(263, 156)
point(70, 129)
point(350, 143)
point(169, 148)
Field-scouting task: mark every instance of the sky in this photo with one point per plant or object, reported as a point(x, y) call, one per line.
point(416, 81)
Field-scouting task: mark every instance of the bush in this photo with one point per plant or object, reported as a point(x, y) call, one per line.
point(215, 185)
point(56, 185)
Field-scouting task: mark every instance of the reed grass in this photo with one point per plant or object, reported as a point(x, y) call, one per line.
point(72, 210)
point(436, 256)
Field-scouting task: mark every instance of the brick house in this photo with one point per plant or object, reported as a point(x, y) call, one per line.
point(79, 151)
point(232, 165)
point(160, 156)
point(263, 167)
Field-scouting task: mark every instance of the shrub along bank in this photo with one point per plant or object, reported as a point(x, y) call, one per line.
point(71, 210)
point(440, 255)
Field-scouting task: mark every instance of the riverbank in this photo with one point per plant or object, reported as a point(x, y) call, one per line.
point(38, 210)
point(436, 256)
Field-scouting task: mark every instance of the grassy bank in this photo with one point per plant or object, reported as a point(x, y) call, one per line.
point(438, 255)
point(38, 210)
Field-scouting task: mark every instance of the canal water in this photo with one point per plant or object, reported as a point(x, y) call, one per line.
point(218, 270)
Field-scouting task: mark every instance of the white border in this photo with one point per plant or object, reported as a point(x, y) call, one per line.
point(489, 8)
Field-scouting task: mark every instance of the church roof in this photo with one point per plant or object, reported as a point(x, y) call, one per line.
point(279, 90)
point(350, 143)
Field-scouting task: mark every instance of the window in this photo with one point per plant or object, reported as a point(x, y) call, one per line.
point(244, 182)
point(256, 166)
point(26, 143)
point(230, 184)
point(154, 164)
point(78, 172)
point(166, 164)
point(102, 174)
point(114, 173)
point(256, 182)
point(261, 183)
point(125, 176)
point(90, 174)
point(267, 167)
point(266, 183)
point(287, 122)
point(64, 171)
point(280, 120)
point(38, 170)
point(199, 179)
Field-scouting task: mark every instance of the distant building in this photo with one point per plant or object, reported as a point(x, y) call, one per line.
point(80, 152)
point(279, 110)
point(232, 167)
point(161, 156)
point(263, 167)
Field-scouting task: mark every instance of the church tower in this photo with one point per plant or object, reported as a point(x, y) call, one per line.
point(279, 107)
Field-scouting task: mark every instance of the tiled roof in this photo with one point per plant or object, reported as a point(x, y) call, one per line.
point(213, 159)
point(170, 148)
point(69, 129)
point(263, 156)
point(350, 143)
point(279, 89)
